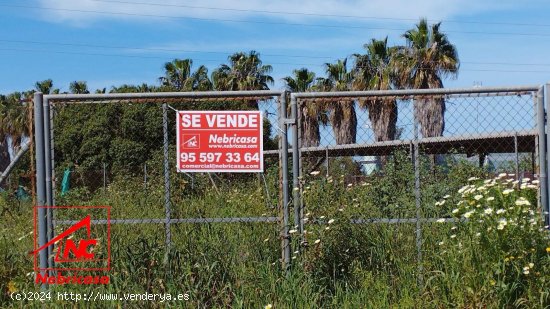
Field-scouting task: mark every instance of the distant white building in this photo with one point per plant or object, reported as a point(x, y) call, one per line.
point(370, 164)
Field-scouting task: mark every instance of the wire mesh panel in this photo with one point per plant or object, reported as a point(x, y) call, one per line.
point(495, 131)
point(120, 151)
point(402, 157)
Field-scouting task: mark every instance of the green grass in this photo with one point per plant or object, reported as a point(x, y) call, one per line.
point(237, 265)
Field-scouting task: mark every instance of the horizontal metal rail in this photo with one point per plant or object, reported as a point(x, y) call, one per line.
point(406, 220)
point(262, 219)
point(394, 220)
point(415, 92)
point(161, 95)
point(163, 221)
point(272, 93)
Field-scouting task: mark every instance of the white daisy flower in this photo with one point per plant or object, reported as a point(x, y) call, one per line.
point(522, 202)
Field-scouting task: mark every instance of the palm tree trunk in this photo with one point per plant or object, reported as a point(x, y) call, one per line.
point(311, 136)
point(383, 118)
point(431, 116)
point(344, 122)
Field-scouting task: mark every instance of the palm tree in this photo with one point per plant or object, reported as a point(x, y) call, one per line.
point(79, 87)
point(126, 88)
point(45, 86)
point(373, 71)
point(146, 88)
point(301, 82)
point(179, 76)
point(177, 73)
point(342, 114)
point(200, 79)
point(311, 114)
point(423, 63)
point(245, 72)
point(13, 125)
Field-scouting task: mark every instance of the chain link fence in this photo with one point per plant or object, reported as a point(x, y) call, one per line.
point(119, 150)
point(392, 162)
point(382, 164)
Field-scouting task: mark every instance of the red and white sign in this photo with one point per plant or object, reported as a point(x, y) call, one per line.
point(219, 141)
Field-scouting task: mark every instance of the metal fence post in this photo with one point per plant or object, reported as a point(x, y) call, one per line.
point(327, 163)
point(52, 156)
point(47, 148)
point(417, 199)
point(516, 156)
point(298, 223)
point(166, 178)
point(51, 151)
point(41, 198)
point(48, 173)
point(285, 243)
point(543, 154)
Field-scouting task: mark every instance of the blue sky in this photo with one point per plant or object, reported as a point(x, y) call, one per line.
point(112, 42)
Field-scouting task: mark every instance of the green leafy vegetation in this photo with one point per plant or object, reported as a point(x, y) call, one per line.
point(468, 263)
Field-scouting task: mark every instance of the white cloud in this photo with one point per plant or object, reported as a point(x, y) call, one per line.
point(74, 11)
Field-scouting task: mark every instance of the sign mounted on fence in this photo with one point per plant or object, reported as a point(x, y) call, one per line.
point(219, 141)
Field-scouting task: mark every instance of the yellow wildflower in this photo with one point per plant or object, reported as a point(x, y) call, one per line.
point(11, 287)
